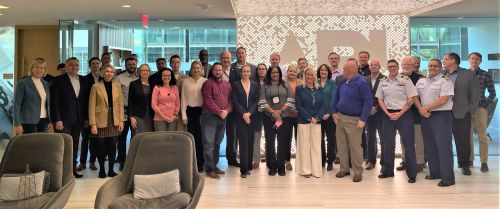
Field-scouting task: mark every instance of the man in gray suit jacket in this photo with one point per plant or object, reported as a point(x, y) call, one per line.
point(465, 102)
point(241, 59)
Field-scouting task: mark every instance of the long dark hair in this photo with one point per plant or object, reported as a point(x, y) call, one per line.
point(268, 75)
point(256, 77)
point(172, 82)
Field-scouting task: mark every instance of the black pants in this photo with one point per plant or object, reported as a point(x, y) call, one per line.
point(86, 141)
point(41, 126)
point(231, 143)
point(461, 133)
point(364, 144)
point(74, 131)
point(245, 135)
point(293, 125)
point(194, 127)
point(275, 160)
point(122, 143)
point(374, 125)
point(328, 152)
point(106, 147)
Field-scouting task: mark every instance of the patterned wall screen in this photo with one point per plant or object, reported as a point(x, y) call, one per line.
point(314, 37)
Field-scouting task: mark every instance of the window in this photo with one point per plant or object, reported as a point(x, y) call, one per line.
point(153, 53)
point(434, 42)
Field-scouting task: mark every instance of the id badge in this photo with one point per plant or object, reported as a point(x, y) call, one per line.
point(276, 100)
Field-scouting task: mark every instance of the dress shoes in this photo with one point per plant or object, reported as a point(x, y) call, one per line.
point(288, 166)
point(446, 183)
point(282, 173)
point(412, 180)
point(484, 167)
point(336, 161)
point(213, 175)
point(272, 172)
point(92, 166)
point(234, 163)
point(357, 178)
point(383, 176)
point(430, 177)
point(111, 173)
point(341, 174)
point(219, 171)
point(466, 171)
point(102, 174)
point(80, 167)
point(402, 166)
point(369, 166)
point(243, 175)
point(329, 167)
point(77, 175)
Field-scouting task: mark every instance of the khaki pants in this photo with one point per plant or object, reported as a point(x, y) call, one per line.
point(308, 154)
point(419, 146)
point(349, 143)
point(480, 122)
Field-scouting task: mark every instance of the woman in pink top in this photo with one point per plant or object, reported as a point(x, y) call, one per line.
point(165, 102)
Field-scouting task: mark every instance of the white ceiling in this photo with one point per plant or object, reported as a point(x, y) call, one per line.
point(48, 12)
point(31, 12)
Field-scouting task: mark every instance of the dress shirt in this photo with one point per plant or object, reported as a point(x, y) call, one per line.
point(430, 89)
point(337, 72)
point(395, 92)
point(124, 79)
point(191, 94)
point(75, 82)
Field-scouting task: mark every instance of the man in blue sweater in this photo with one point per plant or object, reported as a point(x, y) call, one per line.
point(351, 107)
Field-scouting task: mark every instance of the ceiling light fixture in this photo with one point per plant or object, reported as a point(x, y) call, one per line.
point(126, 6)
point(460, 18)
point(1, 14)
point(3, 7)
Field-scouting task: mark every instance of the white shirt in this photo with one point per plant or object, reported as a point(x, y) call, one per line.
point(225, 74)
point(430, 89)
point(75, 82)
point(43, 96)
point(124, 79)
point(191, 94)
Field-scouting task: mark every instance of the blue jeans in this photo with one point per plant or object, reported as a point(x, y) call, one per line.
point(212, 131)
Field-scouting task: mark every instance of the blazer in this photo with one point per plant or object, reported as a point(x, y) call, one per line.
point(27, 102)
point(253, 69)
point(137, 100)
point(240, 104)
point(466, 96)
point(99, 106)
point(375, 87)
point(64, 104)
point(304, 104)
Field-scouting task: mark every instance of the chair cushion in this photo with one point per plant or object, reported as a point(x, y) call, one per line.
point(156, 185)
point(46, 180)
point(31, 185)
point(37, 202)
point(178, 200)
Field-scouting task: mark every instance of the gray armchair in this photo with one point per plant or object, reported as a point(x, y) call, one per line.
point(51, 152)
point(153, 153)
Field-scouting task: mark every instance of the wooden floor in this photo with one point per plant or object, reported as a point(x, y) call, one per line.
point(481, 190)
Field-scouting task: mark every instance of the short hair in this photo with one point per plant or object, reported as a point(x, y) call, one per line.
point(172, 82)
point(416, 57)
point(393, 61)
point(477, 54)
point(173, 57)
point(128, 59)
point(38, 61)
point(268, 75)
point(353, 60)
point(300, 59)
point(454, 56)
point(318, 71)
point(61, 65)
point(105, 53)
point(92, 59)
point(364, 52)
point(334, 53)
point(241, 48)
point(275, 53)
point(72, 58)
point(202, 50)
point(437, 60)
point(161, 59)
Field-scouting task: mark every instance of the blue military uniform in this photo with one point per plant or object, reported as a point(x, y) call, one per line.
point(395, 94)
point(437, 129)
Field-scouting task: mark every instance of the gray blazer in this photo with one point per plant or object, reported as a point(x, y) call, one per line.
point(253, 70)
point(466, 96)
point(27, 102)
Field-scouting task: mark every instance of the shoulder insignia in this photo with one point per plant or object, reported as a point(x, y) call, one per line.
point(446, 77)
point(383, 78)
point(404, 77)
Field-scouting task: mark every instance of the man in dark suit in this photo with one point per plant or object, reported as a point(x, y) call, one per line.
point(374, 122)
point(69, 104)
point(203, 55)
point(231, 75)
point(465, 102)
point(87, 143)
point(241, 60)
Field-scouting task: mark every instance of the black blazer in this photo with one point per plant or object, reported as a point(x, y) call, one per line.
point(239, 98)
point(137, 99)
point(64, 104)
point(375, 87)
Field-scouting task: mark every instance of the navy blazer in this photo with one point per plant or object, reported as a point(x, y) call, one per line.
point(375, 87)
point(305, 107)
point(240, 104)
point(27, 102)
point(253, 69)
point(64, 104)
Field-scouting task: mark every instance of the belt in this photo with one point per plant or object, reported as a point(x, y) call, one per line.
point(393, 111)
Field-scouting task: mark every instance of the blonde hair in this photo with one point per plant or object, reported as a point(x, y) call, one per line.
point(196, 62)
point(38, 61)
point(103, 69)
point(315, 81)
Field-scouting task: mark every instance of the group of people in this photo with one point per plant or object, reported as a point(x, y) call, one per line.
point(334, 113)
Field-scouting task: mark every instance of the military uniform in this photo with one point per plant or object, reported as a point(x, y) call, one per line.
point(437, 129)
point(395, 94)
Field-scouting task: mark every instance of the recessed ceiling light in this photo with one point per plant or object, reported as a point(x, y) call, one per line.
point(1, 14)
point(161, 20)
point(3, 7)
point(427, 25)
point(460, 18)
point(126, 6)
